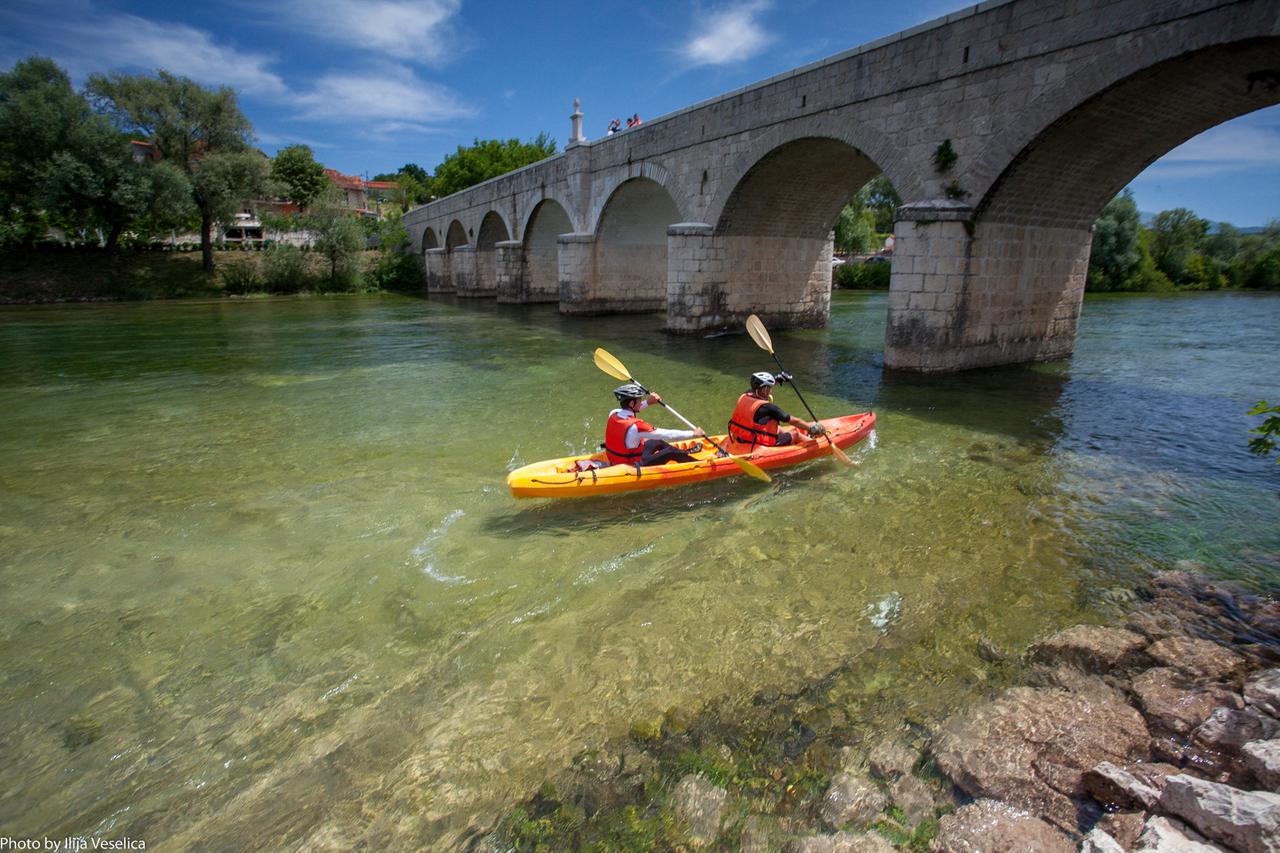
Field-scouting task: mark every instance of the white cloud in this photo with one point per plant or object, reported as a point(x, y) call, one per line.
point(727, 35)
point(412, 30)
point(393, 96)
point(83, 40)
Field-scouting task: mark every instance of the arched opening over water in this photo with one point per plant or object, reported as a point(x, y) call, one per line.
point(775, 231)
point(630, 250)
point(429, 239)
point(1028, 247)
point(541, 252)
point(493, 230)
point(457, 236)
point(459, 261)
point(1084, 157)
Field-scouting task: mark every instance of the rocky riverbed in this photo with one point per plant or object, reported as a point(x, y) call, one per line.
point(1159, 733)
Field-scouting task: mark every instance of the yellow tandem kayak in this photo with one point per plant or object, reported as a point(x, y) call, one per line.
point(591, 474)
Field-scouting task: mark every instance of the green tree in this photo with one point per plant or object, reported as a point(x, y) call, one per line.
point(487, 159)
point(188, 125)
point(856, 230)
point(1177, 232)
point(879, 197)
point(1117, 250)
point(73, 165)
point(296, 169)
point(339, 237)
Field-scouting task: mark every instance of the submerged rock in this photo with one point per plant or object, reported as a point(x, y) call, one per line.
point(1091, 648)
point(851, 799)
point(891, 760)
point(1031, 746)
point(988, 826)
point(1198, 658)
point(841, 842)
point(699, 804)
point(1174, 707)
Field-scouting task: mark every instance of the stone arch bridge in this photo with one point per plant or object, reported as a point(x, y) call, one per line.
point(1005, 128)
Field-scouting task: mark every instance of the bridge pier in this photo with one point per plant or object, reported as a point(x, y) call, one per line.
point(965, 294)
point(509, 267)
point(598, 278)
point(717, 280)
point(435, 264)
point(462, 264)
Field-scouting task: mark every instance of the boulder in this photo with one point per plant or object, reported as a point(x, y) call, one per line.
point(1112, 786)
point(699, 804)
point(913, 797)
point(1162, 835)
point(1091, 648)
point(851, 799)
point(1202, 659)
point(1262, 757)
point(891, 760)
point(988, 826)
point(1030, 747)
point(1245, 820)
point(1155, 625)
point(1262, 691)
point(1098, 841)
point(841, 842)
point(1228, 730)
point(1172, 706)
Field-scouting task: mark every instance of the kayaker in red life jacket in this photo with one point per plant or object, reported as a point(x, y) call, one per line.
point(755, 419)
point(631, 441)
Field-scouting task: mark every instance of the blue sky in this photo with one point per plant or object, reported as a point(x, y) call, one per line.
point(373, 84)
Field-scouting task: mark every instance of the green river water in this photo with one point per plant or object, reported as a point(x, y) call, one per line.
point(262, 585)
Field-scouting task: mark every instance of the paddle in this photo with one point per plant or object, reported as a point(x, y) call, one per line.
point(618, 370)
point(760, 335)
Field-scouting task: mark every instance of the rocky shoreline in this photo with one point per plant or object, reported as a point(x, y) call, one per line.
point(1158, 734)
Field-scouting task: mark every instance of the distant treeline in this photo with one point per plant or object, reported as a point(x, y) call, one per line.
point(1178, 251)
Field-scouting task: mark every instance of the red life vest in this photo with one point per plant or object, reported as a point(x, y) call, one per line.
point(743, 427)
point(615, 439)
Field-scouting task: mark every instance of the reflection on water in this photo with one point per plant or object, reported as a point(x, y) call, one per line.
point(261, 582)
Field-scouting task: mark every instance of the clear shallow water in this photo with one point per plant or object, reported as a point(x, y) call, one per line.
point(261, 583)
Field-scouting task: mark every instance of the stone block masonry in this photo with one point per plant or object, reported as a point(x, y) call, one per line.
point(1047, 111)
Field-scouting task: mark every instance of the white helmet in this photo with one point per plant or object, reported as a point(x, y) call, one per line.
point(762, 378)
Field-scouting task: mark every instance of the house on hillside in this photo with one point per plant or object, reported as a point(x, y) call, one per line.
point(365, 198)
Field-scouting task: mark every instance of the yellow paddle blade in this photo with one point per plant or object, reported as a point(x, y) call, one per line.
point(759, 334)
point(752, 470)
point(611, 365)
point(840, 454)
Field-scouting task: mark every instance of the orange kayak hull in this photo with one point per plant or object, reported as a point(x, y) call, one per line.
point(564, 477)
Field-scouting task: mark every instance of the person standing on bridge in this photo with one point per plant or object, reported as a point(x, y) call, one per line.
point(755, 419)
point(631, 441)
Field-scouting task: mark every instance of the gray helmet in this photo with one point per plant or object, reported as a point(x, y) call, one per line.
point(628, 392)
point(762, 378)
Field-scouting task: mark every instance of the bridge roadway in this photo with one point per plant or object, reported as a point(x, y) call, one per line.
point(1005, 128)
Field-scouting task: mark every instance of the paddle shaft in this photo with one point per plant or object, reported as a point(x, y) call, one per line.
point(835, 451)
point(683, 419)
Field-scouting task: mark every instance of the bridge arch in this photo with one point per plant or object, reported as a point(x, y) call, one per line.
point(429, 239)
point(493, 230)
point(1088, 149)
point(624, 267)
point(867, 142)
point(456, 236)
point(773, 232)
point(651, 172)
point(547, 221)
